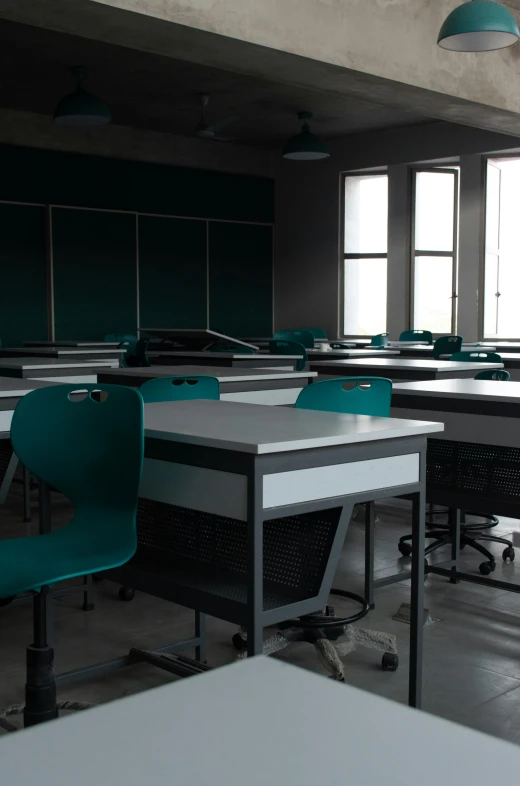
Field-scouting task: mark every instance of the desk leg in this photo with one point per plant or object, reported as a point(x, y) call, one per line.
point(370, 520)
point(454, 520)
point(417, 601)
point(255, 565)
point(200, 633)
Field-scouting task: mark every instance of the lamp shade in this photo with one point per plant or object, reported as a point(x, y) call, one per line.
point(81, 109)
point(479, 26)
point(305, 146)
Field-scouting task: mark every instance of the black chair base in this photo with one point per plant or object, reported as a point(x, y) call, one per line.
point(441, 538)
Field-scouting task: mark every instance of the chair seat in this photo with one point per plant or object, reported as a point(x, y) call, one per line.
point(30, 563)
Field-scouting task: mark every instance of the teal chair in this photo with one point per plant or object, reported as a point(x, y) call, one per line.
point(416, 335)
point(446, 345)
point(90, 448)
point(498, 374)
point(380, 341)
point(278, 347)
point(316, 332)
point(355, 395)
point(136, 353)
point(180, 389)
point(236, 349)
point(303, 337)
point(478, 356)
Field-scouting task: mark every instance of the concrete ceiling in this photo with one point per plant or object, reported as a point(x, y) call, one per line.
point(159, 93)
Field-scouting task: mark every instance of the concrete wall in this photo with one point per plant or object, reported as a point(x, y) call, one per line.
point(308, 222)
point(384, 51)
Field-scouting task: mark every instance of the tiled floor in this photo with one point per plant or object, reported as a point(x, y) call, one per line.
point(471, 658)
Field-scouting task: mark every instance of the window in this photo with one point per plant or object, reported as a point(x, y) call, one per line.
point(365, 249)
point(502, 258)
point(434, 250)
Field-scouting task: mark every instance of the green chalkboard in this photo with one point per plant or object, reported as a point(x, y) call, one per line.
point(172, 272)
point(95, 273)
point(23, 294)
point(241, 279)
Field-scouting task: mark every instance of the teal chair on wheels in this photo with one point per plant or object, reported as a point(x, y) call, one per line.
point(279, 347)
point(88, 444)
point(416, 335)
point(497, 374)
point(477, 356)
point(446, 345)
point(136, 353)
point(380, 341)
point(303, 337)
point(180, 389)
point(328, 633)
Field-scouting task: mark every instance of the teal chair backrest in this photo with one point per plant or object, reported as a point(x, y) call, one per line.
point(87, 441)
point(381, 340)
point(136, 353)
point(446, 345)
point(417, 335)
point(120, 337)
point(354, 395)
point(236, 349)
point(279, 347)
point(316, 332)
point(499, 374)
point(303, 337)
point(180, 389)
point(478, 356)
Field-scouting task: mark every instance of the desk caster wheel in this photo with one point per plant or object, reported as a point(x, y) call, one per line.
point(390, 661)
point(126, 593)
point(487, 567)
point(239, 643)
point(404, 548)
point(508, 554)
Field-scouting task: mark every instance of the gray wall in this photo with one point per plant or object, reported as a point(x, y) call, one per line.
point(308, 221)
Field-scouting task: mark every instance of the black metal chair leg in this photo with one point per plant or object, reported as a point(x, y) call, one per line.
point(40, 687)
point(477, 546)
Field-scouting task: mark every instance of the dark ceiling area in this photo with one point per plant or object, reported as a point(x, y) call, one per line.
point(161, 94)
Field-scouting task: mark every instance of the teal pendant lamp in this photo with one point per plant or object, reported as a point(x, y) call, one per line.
point(479, 26)
point(81, 108)
point(305, 146)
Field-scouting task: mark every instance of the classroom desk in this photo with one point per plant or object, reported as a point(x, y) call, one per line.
point(400, 368)
point(59, 369)
point(244, 474)
point(341, 354)
point(475, 463)
point(79, 344)
point(224, 359)
point(506, 346)
point(11, 391)
point(258, 721)
point(251, 386)
point(422, 351)
point(65, 353)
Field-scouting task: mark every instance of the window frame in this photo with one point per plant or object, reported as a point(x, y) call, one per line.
point(343, 256)
point(454, 254)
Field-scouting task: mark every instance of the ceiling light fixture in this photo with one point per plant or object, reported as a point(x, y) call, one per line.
point(305, 146)
point(479, 26)
point(81, 108)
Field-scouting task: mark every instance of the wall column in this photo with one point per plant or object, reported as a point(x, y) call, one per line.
point(471, 249)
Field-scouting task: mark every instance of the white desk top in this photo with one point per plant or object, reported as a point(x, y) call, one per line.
point(65, 352)
point(85, 344)
point(305, 730)
point(223, 373)
point(464, 348)
point(254, 428)
point(354, 353)
point(462, 388)
point(415, 364)
point(11, 387)
point(46, 363)
point(231, 355)
point(409, 344)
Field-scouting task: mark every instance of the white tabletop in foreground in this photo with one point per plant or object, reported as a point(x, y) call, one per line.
point(253, 428)
point(222, 373)
point(65, 352)
point(461, 388)
point(12, 387)
point(257, 722)
point(415, 364)
point(84, 344)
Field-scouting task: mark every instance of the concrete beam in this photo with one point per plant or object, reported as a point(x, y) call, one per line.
point(382, 51)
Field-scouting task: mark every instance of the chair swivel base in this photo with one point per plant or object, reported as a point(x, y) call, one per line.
point(442, 538)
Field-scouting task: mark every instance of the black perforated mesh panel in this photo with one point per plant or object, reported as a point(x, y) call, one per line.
point(296, 548)
point(467, 466)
